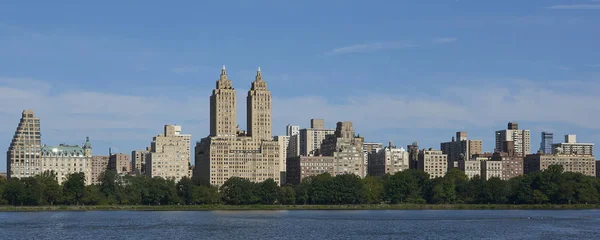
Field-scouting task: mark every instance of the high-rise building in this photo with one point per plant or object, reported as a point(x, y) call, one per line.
point(512, 165)
point(584, 164)
point(388, 160)
point(283, 142)
point(367, 149)
point(228, 151)
point(99, 165)
point(312, 138)
point(547, 141)
point(520, 138)
point(138, 161)
point(291, 130)
point(571, 146)
point(293, 148)
point(346, 150)
point(64, 160)
point(433, 162)
point(119, 163)
point(413, 155)
point(23, 158)
point(461, 148)
point(170, 154)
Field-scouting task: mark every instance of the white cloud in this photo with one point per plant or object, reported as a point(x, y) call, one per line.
point(370, 47)
point(444, 40)
point(576, 7)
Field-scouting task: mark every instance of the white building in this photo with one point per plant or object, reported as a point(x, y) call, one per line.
point(571, 146)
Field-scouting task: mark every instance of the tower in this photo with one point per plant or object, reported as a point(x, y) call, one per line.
point(87, 147)
point(223, 108)
point(259, 109)
point(24, 153)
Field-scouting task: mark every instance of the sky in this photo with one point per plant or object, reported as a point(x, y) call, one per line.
point(401, 71)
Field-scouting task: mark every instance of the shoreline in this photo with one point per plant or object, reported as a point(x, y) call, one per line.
point(299, 207)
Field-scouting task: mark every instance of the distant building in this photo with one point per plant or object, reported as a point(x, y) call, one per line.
point(433, 162)
point(367, 149)
point(301, 167)
point(512, 165)
point(64, 160)
point(521, 139)
point(138, 161)
point(598, 168)
point(490, 169)
point(170, 154)
point(471, 167)
point(413, 155)
point(346, 150)
point(460, 148)
point(24, 153)
point(547, 141)
point(293, 132)
point(119, 163)
point(571, 146)
point(99, 165)
point(585, 164)
point(283, 142)
point(312, 138)
point(388, 160)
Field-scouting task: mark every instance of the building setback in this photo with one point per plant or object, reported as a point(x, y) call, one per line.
point(584, 164)
point(346, 150)
point(312, 138)
point(571, 146)
point(388, 160)
point(460, 148)
point(170, 154)
point(229, 152)
point(520, 139)
point(23, 158)
point(433, 162)
point(99, 165)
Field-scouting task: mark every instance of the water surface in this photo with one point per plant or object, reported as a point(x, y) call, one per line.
point(328, 224)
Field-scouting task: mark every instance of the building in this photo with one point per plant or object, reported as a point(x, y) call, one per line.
point(312, 138)
point(471, 167)
point(433, 162)
point(283, 142)
point(388, 160)
point(547, 141)
point(138, 161)
point(23, 158)
point(99, 165)
point(520, 138)
point(460, 148)
point(585, 164)
point(490, 169)
point(512, 165)
point(571, 146)
point(301, 167)
point(346, 150)
point(598, 168)
point(293, 149)
point(413, 155)
point(119, 163)
point(368, 148)
point(170, 154)
point(3, 175)
point(229, 152)
point(64, 160)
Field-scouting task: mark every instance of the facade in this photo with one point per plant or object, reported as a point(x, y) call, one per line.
point(471, 167)
point(490, 169)
point(571, 146)
point(312, 138)
point(367, 149)
point(64, 160)
point(138, 161)
point(23, 158)
point(433, 162)
point(300, 167)
point(283, 142)
point(293, 149)
point(585, 164)
point(512, 165)
point(598, 168)
point(461, 148)
point(413, 155)
point(119, 163)
point(346, 150)
point(99, 165)
point(170, 154)
point(228, 151)
point(521, 139)
point(547, 141)
point(388, 160)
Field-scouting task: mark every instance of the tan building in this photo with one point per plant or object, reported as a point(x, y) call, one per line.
point(521, 139)
point(490, 169)
point(283, 142)
point(119, 163)
point(461, 148)
point(170, 154)
point(138, 161)
point(301, 167)
point(228, 152)
point(99, 165)
point(346, 150)
point(512, 166)
point(312, 138)
point(293, 149)
point(388, 160)
point(571, 146)
point(585, 164)
point(433, 162)
point(64, 160)
point(471, 167)
point(24, 153)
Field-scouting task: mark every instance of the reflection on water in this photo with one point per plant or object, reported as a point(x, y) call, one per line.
point(385, 224)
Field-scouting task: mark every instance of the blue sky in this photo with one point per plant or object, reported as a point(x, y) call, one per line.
point(402, 71)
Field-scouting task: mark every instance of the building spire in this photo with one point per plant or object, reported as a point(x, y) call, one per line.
point(223, 73)
point(258, 75)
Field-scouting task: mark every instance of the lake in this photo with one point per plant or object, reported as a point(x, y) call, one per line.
point(328, 224)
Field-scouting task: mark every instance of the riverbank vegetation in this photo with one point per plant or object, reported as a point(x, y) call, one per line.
point(410, 189)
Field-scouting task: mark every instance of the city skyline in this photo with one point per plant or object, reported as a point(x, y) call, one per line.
point(414, 73)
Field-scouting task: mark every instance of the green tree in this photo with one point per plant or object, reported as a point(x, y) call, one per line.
point(373, 187)
point(286, 195)
point(408, 186)
point(73, 188)
point(347, 189)
point(267, 192)
point(239, 191)
point(51, 190)
point(495, 191)
point(32, 192)
point(109, 186)
point(3, 183)
point(205, 195)
point(93, 196)
point(14, 191)
point(320, 191)
point(185, 189)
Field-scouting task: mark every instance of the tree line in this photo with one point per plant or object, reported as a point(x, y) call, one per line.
point(551, 186)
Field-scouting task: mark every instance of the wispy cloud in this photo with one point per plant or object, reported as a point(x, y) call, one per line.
point(444, 40)
point(370, 47)
point(576, 7)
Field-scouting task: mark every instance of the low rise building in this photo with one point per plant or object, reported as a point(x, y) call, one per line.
point(301, 167)
point(99, 165)
point(433, 162)
point(584, 164)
